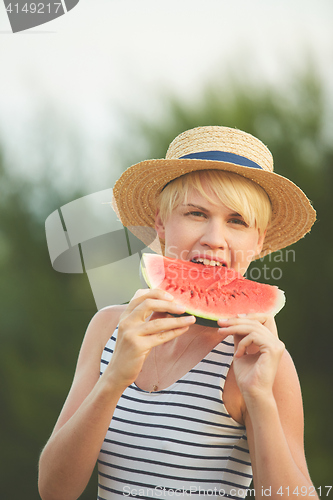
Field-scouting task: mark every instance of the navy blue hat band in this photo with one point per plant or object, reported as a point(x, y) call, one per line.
point(222, 156)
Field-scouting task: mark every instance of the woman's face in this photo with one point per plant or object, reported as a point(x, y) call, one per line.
point(201, 230)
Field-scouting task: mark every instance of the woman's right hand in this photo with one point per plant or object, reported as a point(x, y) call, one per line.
point(137, 334)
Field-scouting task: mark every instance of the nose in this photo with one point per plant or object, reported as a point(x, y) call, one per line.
point(215, 235)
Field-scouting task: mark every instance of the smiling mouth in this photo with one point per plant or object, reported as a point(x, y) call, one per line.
point(208, 262)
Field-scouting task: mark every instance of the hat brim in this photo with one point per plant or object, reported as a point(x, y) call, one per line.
point(136, 191)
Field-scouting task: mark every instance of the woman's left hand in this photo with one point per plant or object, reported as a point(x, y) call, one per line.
point(258, 351)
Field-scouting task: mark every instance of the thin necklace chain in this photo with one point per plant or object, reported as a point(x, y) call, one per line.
point(155, 386)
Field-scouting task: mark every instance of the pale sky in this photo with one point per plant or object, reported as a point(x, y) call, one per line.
point(106, 54)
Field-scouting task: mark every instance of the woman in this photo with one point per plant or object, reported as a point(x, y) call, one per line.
point(180, 409)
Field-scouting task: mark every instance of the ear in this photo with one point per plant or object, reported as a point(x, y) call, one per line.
point(159, 225)
point(261, 240)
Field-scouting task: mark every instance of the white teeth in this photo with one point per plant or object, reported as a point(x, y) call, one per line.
point(208, 262)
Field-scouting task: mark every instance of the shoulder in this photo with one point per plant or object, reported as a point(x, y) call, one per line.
point(286, 390)
point(103, 325)
point(99, 330)
point(287, 393)
point(87, 370)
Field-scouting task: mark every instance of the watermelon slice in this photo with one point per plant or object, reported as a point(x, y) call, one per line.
point(210, 293)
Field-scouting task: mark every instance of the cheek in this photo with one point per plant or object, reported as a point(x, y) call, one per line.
point(254, 247)
point(172, 234)
point(245, 248)
point(179, 238)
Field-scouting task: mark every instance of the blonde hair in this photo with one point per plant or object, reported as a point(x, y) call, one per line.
point(236, 192)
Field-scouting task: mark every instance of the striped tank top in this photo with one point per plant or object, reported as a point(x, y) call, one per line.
point(178, 442)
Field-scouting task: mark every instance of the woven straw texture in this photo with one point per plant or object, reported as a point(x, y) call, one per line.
point(135, 192)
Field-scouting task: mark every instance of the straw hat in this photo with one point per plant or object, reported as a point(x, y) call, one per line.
point(219, 148)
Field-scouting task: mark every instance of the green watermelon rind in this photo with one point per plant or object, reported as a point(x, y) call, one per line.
point(211, 320)
point(279, 304)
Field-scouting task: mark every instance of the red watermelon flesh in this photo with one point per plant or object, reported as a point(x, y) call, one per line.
point(210, 292)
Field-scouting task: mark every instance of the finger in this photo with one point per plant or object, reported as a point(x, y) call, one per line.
point(166, 336)
point(243, 320)
point(243, 344)
point(262, 343)
point(155, 293)
point(157, 338)
point(269, 322)
point(164, 325)
point(262, 318)
point(241, 331)
point(152, 305)
point(265, 319)
point(244, 328)
point(141, 295)
point(237, 339)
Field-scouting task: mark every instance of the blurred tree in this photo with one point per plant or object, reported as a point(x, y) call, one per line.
point(43, 317)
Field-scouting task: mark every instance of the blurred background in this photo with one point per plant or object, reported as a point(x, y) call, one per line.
point(112, 83)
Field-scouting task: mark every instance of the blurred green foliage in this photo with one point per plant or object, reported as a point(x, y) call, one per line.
point(43, 317)
point(44, 313)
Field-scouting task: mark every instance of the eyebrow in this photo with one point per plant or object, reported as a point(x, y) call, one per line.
point(195, 206)
point(233, 214)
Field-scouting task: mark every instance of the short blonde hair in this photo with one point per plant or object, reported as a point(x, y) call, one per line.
point(236, 192)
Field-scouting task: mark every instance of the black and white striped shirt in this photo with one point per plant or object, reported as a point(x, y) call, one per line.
point(178, 442)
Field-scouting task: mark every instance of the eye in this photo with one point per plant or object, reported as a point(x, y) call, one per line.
point(196, 213)
point(238, 221)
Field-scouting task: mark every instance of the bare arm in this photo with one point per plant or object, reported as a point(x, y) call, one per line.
point(275, 433)
point(273, 411)
point(69, 457)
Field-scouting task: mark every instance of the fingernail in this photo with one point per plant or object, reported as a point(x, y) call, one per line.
point(180, 308)
point(189, 319)
point(241, 315)
point(168, 296)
